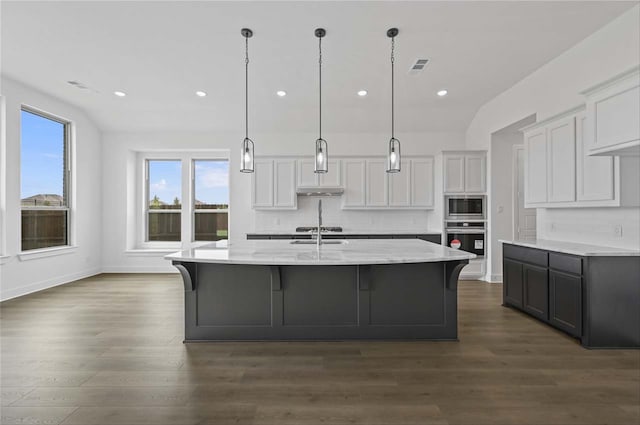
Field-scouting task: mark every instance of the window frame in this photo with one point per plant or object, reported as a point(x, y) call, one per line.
point(193, 198)
point(147, 194)
point(67, 183)
point(187, 222)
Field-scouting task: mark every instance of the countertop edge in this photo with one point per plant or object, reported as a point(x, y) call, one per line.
point(573, 248)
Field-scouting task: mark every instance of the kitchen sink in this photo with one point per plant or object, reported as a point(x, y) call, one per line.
point(314, 242)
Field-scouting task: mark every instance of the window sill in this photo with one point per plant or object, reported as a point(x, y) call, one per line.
point(150, 252)
point(46, 252)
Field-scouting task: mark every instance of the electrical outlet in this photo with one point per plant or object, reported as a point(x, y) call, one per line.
point(500, 209)
point(552, 227)
point(617, 231)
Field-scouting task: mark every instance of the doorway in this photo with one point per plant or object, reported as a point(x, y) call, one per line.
point(524, 219)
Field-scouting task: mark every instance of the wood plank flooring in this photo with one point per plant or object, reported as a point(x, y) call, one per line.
point(108, 351)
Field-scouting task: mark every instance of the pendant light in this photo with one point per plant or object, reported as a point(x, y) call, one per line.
point(246, 160)
point(393, 156)
point(321, 159)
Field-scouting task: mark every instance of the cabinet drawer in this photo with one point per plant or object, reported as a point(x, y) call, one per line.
point(565, 263)
point(527, 255)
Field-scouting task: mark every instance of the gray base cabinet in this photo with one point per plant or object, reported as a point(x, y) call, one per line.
point(595, 299)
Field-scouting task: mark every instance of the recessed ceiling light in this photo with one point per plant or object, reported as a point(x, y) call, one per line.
point(281, 93)
point(362, 93)
point(442, 92)
point(119, 93)
point(201, 93)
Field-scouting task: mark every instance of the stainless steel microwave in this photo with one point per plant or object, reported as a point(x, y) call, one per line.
point(466, 207)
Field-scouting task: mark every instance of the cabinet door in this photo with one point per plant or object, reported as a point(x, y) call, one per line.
point(285, 183)
point(354, 183)
point(376, 183)
point(306, 175)
point(561, 161)
point(536, 167)
point(332, 178)
point(535, 291)
point(453, 173)
point(512, 282)
point(595, 178)
point(422, 182)
point(565, 302)
point(400, 186)
point(475, 173)
point(262, 182)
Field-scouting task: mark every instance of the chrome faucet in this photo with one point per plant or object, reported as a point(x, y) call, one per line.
point(319, 238)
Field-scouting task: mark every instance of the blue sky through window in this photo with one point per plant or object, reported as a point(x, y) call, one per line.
point(211, 181)
point(41, 155)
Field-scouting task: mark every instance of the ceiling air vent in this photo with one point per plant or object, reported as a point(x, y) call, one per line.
point(418, 66)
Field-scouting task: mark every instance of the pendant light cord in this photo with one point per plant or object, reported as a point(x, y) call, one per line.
point(246, 87)
point(320, 83)
point(393, 45)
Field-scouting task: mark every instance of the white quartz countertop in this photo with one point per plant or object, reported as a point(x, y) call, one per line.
point(575, 248)
point(352, 252)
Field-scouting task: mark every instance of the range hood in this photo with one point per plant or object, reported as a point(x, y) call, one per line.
point(319, 191)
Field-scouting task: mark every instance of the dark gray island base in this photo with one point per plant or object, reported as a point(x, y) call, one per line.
point(321, 302)
point(254, 302)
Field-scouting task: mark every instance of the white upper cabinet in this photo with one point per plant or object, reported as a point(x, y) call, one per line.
point(475, 173)
point(560, 173)
point(422, 182)
point(465, 172)
point(453, 173)
point(262, 187)
point(307, 177)
point(376, 189)
point(595, 174)
point(561, 160)
point(354, 183)
point(535, 167)
point(367, 185)
point(613, 111)
point(400, 186)
point(274, 184)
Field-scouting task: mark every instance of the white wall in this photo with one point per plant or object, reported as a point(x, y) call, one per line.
point(556, 87)
point(18, 277)
point(119, 175)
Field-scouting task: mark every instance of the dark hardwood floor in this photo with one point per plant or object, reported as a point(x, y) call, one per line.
point(108, 350)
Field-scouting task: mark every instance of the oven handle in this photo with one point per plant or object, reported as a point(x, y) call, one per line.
point(465, 231)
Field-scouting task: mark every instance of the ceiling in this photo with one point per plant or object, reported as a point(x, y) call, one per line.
point(160, 53)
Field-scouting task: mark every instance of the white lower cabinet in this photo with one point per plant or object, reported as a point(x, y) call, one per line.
point(274, 184)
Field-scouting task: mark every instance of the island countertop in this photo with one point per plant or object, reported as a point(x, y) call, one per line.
point(351, 252)
point(574, 248)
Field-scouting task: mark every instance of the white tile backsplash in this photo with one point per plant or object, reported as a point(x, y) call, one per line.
point(350, 220)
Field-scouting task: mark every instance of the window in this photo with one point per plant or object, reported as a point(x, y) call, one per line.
point(44, 179)
point(185, 199)
point(211, 200)
point(163, 206)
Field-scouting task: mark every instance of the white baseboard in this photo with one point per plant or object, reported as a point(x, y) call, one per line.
point(48, 283)
point(496, 278)
point(137, 269)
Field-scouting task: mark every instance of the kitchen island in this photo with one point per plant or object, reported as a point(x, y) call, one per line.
point(292, 290)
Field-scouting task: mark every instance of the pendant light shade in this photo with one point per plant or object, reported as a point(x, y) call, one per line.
point(393, 156)
point(321, 157)
point(246, 161)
